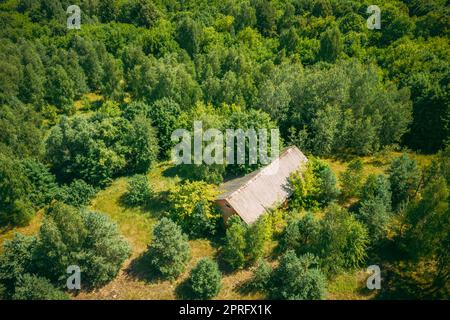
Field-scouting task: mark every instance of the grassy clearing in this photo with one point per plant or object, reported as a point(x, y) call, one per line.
point(30, 229)
point(375, 164)
point(350, 286)
point(136, 226)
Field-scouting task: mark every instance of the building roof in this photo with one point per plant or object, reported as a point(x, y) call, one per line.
point(251, 195)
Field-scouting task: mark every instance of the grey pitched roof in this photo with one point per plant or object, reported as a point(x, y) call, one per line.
point(252, 194)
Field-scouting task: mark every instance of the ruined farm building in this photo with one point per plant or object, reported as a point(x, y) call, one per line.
point(251, 195)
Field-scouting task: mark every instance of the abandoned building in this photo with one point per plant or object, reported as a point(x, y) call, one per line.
point(253, 194)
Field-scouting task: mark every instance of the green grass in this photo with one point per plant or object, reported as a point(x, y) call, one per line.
point(375, 164)
point(30, 229)
point(350, 286)
point(136, 226)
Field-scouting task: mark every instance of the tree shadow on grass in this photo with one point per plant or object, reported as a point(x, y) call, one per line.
point(184, 291)
point(141, 269)
point(245, 287)
point(157, 204)
point(224, 267)
point(175, 171)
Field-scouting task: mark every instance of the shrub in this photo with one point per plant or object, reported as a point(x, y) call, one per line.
point(261, 276)
point(351, 179)
point(377, 187)
point(169, 251)
point(376, 218)
point(404, 176)
point(235, 243)
point(205, 279)
point(43, 182)
point(78, 193)
point(70, 236)
point(30, 287)
point(342, 241)
point(313, 188)
point(193, 208)
point(301, 234)
point(138, 191)
point(338, 240)
point(16, 259)
point(257, 235)
point(297, 278)
point(15, 207)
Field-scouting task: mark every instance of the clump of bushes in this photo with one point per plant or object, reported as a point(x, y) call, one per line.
point(313, 188)
point(169, 251)
point(338, 240)
point(295, 278)
point(78, 193)
point(205, 279)
point(138, 191)
point(30, 287)
point(244, 245)
point(67, 236)
point(192, 207)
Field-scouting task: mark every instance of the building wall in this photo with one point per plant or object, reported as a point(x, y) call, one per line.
point(225, 208)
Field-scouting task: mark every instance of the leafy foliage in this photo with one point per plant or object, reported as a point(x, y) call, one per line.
point(78, 193)
point(193, 208)
point(297, 278)
point(98, 148)
point(15, 206)
point(235, 243)
point(16, 259)
point(351, 179)
point(31, 287)
point(69, 236)
point(169, 251)
point(404, 176)
point(315, 187)
point(205, 279)
point(138, 191)
point(338, 239)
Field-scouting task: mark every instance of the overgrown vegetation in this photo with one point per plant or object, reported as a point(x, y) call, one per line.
point(80, 109)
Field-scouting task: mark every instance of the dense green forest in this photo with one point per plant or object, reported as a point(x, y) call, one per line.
point(82, 108)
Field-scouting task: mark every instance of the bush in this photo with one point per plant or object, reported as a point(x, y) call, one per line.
point(70, 236)
point(205, 279)
point(78, 193)
point(404, 176)
point(338, 240)
point(257, 235)
point(375, 217)
point(169, 251)
point(16, 259)
point(377, 187)
point(43, 182)
point(301, 234)
point(297, 278)
point(261, 276)
point(235, 246)
point(342, 241)
point(193, 208)
point(314, 188)
point(245, 244)
point(31, 287)
point(15, 207)
point(138, 191)
point(351, 179)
